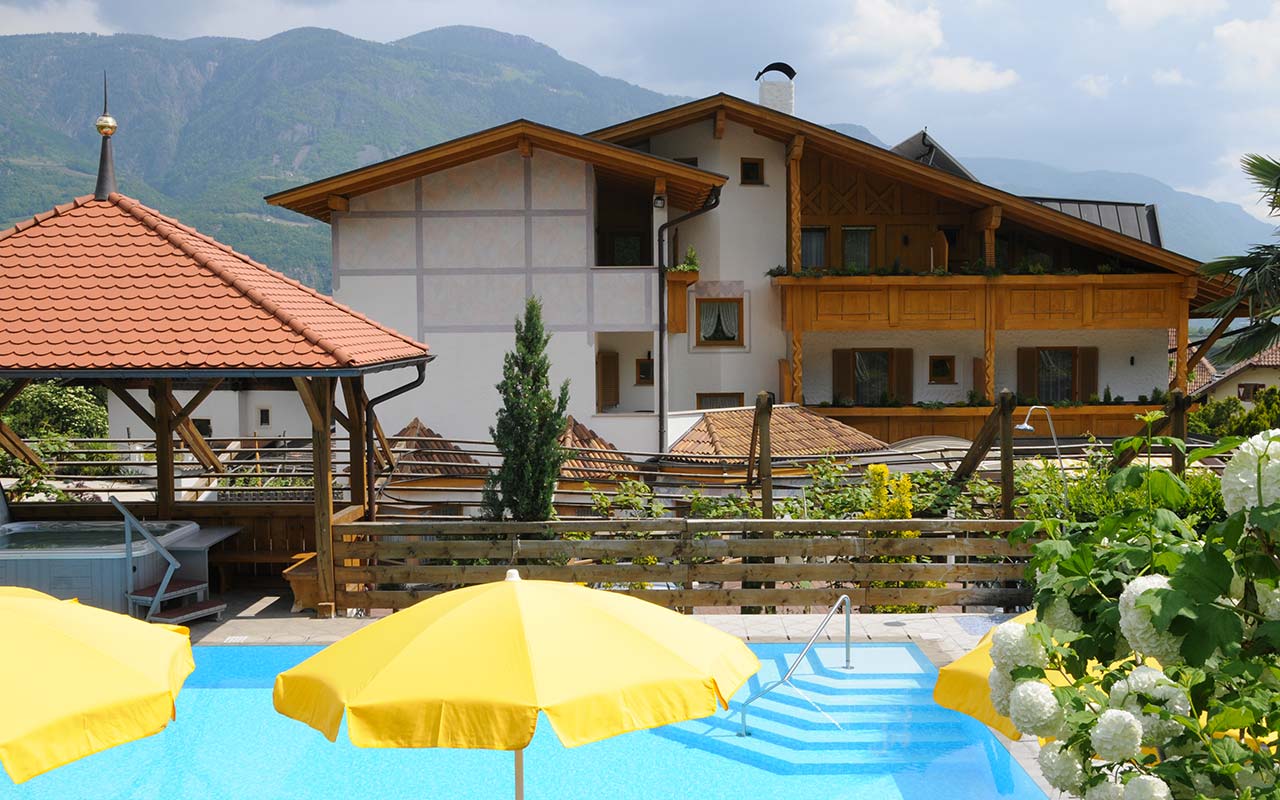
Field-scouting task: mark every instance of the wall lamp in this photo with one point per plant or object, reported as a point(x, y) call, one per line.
point(659, 201)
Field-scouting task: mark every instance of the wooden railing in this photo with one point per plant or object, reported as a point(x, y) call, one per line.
point(699, 562)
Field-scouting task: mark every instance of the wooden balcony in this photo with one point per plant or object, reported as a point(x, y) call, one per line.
point(893, 424)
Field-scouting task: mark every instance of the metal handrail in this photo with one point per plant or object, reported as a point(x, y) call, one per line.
point(843, 600)
point(130, 523)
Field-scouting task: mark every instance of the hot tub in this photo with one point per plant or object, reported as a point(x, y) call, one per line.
point(85, 560)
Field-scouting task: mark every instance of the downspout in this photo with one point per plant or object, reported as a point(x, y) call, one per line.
point(713, 200)
point(369, 463)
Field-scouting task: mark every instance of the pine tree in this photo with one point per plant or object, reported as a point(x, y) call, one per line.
point(528, 428)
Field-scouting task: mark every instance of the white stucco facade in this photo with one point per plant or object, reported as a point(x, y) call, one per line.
point(230, 414)
point(1229, 386)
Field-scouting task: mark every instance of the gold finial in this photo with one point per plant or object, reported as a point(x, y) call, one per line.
point(105, 123)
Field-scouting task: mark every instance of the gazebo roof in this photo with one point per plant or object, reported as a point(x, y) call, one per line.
point(112, 288)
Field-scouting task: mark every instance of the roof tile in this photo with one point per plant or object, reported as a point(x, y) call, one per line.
point(794, 431)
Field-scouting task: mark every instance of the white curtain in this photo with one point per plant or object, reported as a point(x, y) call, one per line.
point(718, 321)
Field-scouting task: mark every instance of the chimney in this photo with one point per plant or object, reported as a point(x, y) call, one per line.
point(780, 95)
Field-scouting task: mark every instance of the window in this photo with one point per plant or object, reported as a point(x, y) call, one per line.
point(1055, 375)
point(710, 400)
point(856, 247)
point(264, 417)
point(644, 372)
point(813, 248)
point(204, 426)
point(626, 249)
point(1247, 391)
point(752, 172)
point(690, 160)
point(942, 369)
point(871, 377)
point(719, 321)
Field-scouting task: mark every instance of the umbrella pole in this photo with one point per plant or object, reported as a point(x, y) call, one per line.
point(520, 774)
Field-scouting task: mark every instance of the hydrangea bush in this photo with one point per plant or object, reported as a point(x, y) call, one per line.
point(1169, 641)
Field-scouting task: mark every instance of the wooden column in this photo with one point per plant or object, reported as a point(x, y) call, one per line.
point(1184, 320)
point(161, 393)
point(987, 220)
point(797, 367)
point(1007, 404)
point(795, 151)
point(989, 347)
point(317, 398)
point(764, 412)
point(353, 395)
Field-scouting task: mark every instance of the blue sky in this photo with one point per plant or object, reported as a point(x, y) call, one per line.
point(1175, 89)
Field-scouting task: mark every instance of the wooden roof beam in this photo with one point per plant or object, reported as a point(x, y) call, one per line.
point(795, 149)
point(524, 146)
point(718, 127)
point(986, 219)
point(336, 202)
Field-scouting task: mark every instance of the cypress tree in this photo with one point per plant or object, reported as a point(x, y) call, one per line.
point(528, 427)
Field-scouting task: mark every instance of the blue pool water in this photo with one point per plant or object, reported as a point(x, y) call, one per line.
point(872, 732)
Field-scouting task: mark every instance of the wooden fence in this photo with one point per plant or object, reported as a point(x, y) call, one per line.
point(684, 563)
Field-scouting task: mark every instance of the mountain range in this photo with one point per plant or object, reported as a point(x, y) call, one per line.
point(210, 125)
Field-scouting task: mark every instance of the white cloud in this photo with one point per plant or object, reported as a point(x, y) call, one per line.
point(964, 74)
point(1248, 49)
point(1169, 77)
point(62, 16)
point(1146, 13)
point(890, 43)
point(1094, 85)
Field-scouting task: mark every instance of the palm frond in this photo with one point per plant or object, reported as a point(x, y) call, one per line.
point(1249, 341)
point(1265, 172)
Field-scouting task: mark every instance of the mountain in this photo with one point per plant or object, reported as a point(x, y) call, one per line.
point(858, 132)
point(1190, 224)
point(210, 125)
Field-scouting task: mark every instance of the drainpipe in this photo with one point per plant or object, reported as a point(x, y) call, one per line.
point(369, 432)
point(713, 200)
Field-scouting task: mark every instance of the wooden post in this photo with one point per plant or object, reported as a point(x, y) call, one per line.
point(794, 152)
point(161, 393)
point(989, 346)
point(358, 476)
point(1179, 422)
point(1007, 404)
point(797, 366)
point(317, 398)
point(764, 411)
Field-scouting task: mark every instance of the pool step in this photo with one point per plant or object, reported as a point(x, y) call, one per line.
point(186, 613)
point(176, 588)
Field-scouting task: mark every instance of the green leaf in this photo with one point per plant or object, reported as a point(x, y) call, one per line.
point(1225, 444)
point(1129, 477)
point(1169, 522)
point(1171, 442)
point(1204, 576)
point(1167, 488)
point(1265, 518)
point(1230, 718)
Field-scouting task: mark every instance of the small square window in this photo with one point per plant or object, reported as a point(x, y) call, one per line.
point(1247, 391)
point(204, 426)
point(644, 372)
point(264, 417)
point(752, 172)
point(942, 369)
point(710, 400)
point(719, 321)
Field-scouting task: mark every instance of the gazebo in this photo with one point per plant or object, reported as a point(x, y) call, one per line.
point(105, 290)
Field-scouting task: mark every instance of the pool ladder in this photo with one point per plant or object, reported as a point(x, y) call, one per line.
point(822, 626)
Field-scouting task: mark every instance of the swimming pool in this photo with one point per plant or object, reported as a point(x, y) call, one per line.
point(875, 734)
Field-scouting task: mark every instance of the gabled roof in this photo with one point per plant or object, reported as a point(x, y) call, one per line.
point(1267, 359)
point(785, 127)
point(425, 453)
point(593, 457)
point(794, 431)
point(1135, 220)
point(924, 148)
point(112, 286)
point(687, 186)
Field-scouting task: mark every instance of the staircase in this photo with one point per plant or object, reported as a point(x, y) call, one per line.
point(192, 601)
point(878, 717)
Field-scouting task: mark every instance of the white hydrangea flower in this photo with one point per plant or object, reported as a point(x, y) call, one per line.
point(1147, 787)
point(1163, 692)
point(1033, 709)
point(1061, 767)
point(1059, 616)
point(1117, 736)
point(1135, 622)
point(1001, 685)
point(1241, 487)
point(1107, 790)
point(1268, 601)
point(1013, 647)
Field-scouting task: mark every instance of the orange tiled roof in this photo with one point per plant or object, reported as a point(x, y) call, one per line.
point(794, 431)
point(1204, 373)
point(593, 458)
point(114, 285)
point(427, 453)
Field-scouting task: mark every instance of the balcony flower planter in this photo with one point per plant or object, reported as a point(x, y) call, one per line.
point(678, 283)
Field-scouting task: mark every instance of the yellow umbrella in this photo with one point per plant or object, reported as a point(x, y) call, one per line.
point(473, 668)
point(962, 685)
point(76, 679)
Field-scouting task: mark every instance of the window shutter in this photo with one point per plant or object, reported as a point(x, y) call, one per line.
point(1027, 372)
point(903, 391)
point(1087, 373)
point(842, 377)
point(607, 392)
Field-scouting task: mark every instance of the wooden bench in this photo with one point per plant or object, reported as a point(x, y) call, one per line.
point(224, 561)
point(304, 580)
